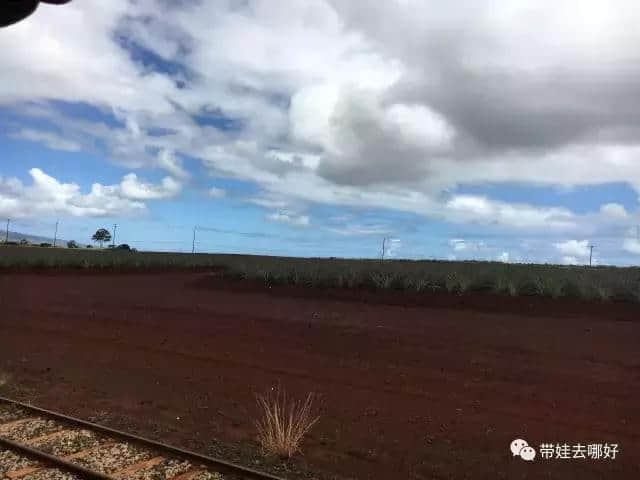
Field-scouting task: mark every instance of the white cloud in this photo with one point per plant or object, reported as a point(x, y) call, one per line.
point(290, 218)
point(632, 245)
point(614, 211)
point(47, 195)
point(50, 139)
point(504, 257)
point(357, 229)
point(215, 192)
point(133, 188)
point(462, 245)
point(390, 111)
point(574, 248)
point(419, 125)
point(392, 246)
point(475, 208)
point(570, 260)
point(168, 161)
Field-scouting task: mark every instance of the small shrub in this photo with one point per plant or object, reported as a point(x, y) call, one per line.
point(420, 284)
point(598, 292)
point(482, 285)
point(45, 245)
point(455, 283)
point(548, 287)
point(294, 277)
point(284, 422)
point(72, 244)
point(571, 290)
point(506, 286)
point(529, 288)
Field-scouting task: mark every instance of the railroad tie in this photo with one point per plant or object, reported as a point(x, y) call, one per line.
point(136, 467)
point(47, 437)
point(15, 423)
point(22, 472)
point(188, 475)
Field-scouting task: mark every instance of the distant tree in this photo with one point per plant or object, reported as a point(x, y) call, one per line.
point(102, 235)
point(45, 244)
point(24, 242)
point(124, 246)
point(72, 244)
point(89, 246)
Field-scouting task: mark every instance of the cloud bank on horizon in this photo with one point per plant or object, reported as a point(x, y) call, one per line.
point(428, 109)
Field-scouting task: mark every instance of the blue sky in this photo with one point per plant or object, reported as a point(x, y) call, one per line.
point(312, 129)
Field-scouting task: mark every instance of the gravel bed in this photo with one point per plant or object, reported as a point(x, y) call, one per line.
point(34, 428)
point(69, 442)
point(12, 461)
point(9, 413)
point(165, 470)
point(50, 474)
point(114, 458)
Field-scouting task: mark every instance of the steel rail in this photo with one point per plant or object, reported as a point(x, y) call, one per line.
point(217, 464)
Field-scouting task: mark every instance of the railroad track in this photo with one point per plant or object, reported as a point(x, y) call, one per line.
point(37, 444)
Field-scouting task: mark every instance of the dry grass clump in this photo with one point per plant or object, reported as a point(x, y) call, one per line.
point(284, 422)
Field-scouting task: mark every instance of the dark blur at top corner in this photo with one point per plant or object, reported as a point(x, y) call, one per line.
point(13, 11)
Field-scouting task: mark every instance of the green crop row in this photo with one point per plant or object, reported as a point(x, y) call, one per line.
point(555, 281)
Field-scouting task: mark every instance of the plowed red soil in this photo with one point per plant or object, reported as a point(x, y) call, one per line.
point(434, 390)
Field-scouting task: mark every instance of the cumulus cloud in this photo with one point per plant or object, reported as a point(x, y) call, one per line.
point(570, 260)
point(474, 208)
point(462, 245)
point(614, 211)
point(132, 187)
point(399, 104)
point(574, 248)
point(46, 195)
point(391, 247)
point(290, 218)
point(632, 245)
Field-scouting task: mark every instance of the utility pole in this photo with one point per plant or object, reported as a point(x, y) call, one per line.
point(591, 254)
point(6, 238)
point(384, 244)
point(193, 243)
point(55, 235)
point(115, 227)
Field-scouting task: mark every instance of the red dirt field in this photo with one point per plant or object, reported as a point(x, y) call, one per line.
point(408, 392)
